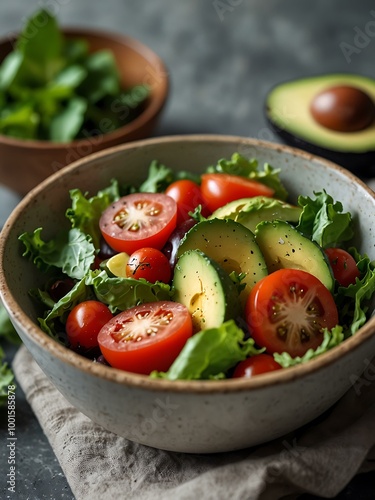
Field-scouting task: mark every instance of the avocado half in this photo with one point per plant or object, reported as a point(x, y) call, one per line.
point(289, 115)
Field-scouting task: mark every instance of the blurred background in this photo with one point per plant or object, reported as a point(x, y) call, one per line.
point(223, 57)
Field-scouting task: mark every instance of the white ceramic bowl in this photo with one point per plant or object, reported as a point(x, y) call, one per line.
point(197, 416)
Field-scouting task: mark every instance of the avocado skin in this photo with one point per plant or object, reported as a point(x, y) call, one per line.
point(362, 164)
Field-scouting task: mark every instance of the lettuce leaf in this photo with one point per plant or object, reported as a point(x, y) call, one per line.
point(236, 165)
point(122, 293)
point(54, 319)
point(85, 213)
point(353, 301)
point(71, 251)
point(239, 165)
point(331, 339)
point(210, 353)
point(158, 179)
point(323, 221)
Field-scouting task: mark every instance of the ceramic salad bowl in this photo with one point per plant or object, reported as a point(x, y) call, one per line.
point(186, 416)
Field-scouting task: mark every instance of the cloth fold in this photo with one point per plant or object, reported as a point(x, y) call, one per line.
point(320, 458)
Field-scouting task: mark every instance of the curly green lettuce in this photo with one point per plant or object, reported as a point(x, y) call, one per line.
point(323, 220)
point(72, 252)
point(85, 212)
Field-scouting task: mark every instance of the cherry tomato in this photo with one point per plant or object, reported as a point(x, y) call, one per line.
point(220, 189)
point(343, 265)
point(255, 365)
point(146, 337)
point(150, 264)
point(84, 323)
point(287, 310)
point(139, 220)
point(187, 194)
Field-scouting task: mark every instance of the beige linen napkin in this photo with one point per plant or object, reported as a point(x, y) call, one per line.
point(320, 458)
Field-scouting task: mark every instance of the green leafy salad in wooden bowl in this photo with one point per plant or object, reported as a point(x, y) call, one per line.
point(52, 87)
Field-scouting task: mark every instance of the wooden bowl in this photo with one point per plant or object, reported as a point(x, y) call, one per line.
point(25, 163)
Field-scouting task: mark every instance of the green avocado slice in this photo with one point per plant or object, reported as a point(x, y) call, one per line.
point(285, 247)
point(205, 289)
point(250, 211)
point(232, 246)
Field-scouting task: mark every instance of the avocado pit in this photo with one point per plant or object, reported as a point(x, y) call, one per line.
point(343, 108)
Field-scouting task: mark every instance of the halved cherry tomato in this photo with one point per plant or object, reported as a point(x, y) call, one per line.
point(187, 194)
point(255, 365)
point(139, 220)
point(343, 265)
point(150, 264)
point(84, 323)
point(220, 189)
point(146, 337)
point(287, 311)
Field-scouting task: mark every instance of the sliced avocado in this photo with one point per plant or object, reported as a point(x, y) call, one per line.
point(289, 111)
point(250, 211)
point(205, 289)
point(232, 246)
point(285, 247)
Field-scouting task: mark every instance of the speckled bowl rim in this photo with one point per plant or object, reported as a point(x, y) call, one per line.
point(69, 357)
point(153, 108)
